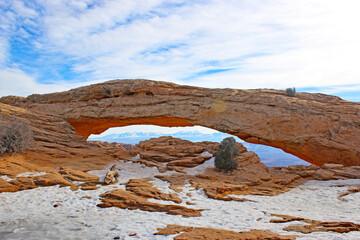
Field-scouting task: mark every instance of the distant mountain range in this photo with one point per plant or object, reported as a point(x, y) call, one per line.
point(136, 137)
point(268, 155)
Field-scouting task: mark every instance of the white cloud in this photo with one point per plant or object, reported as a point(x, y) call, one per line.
point(14, 81)
point(307, 43)
point(4, 46)
point(23, 11)
point(272, 44)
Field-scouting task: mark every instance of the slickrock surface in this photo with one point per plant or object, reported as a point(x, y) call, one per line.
point(56, 143)
point(110, 145)
point(144, 188)
point(7, 187)
point(315, 127)
point(76, 175)
point(205, 194)
point(24, 175)
point(193, 233)
point(138, 199)
point(56, 146)
point(168, 153)
point(254, 178)
point(48, 179)
point(314, 225)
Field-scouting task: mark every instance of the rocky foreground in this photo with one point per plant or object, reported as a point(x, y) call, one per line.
point(185, 165)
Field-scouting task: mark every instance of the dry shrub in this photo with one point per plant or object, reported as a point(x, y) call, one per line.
point(225, 156)
point(291, 92)
point(16, 136)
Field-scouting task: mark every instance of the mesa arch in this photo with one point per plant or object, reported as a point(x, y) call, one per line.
point(315, 127)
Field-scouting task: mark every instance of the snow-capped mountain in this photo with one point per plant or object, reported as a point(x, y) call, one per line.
point(136, 137)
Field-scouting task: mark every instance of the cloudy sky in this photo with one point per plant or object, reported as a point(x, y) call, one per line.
point(55, 45)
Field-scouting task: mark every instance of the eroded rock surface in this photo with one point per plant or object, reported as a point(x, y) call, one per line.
point(56, 144)
point(143, 187)
point(136, 196)
point(23, 176)
point(315, 127)
point(254, 178)
point(192, 233)
point(168, 153)
point(56, 147)
point(314, 225)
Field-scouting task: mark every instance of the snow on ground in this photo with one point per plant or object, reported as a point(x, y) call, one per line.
point(31, 174)
point(24, 174)
point(31, 214)
point(6, 178)
point(207, 164)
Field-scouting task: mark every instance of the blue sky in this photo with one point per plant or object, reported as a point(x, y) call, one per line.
point(48, 46)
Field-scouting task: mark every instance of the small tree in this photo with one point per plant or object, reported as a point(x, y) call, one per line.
point(290, 92)
point(15, 136)
point(226, 153)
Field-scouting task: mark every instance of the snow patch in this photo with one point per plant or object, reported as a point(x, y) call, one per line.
point(206, 154)
point(202, 167)
point(6, 178)
point(32, 214)
point(31, 174)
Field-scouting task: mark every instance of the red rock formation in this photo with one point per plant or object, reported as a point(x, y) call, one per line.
point(136, 196)
point(314, 225)
point(56, 143)
point(139, 200)
point(143, 187)
point(168, 153)
point(315, 127)
point(192, 233)
point(254, 178)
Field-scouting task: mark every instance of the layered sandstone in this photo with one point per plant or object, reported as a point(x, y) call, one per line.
point(136, 196)
point(314, 225)
point(56, 144)
point(315, 127)
point(254, 178)
point(168, 153)
point(58, 153)
point(144, 188)
point(192, 233)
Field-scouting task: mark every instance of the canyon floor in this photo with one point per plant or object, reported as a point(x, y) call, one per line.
point(167, 192)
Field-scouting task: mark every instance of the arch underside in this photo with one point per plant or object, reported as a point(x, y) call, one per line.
point(86, 127)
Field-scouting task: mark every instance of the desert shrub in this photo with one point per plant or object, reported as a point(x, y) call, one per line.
point(290, 92)
point(15, 136)
point(107, 91)
point(226, 153)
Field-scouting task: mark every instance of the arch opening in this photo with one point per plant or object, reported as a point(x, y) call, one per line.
point(133, 134)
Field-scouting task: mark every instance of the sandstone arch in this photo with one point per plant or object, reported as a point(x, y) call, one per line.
point(315, 127)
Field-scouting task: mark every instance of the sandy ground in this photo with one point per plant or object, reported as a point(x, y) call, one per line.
point(60, 213)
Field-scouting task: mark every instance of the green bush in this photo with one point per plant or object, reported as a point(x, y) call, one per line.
point(290, 92)
point(15, 136)
point(226, 153)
